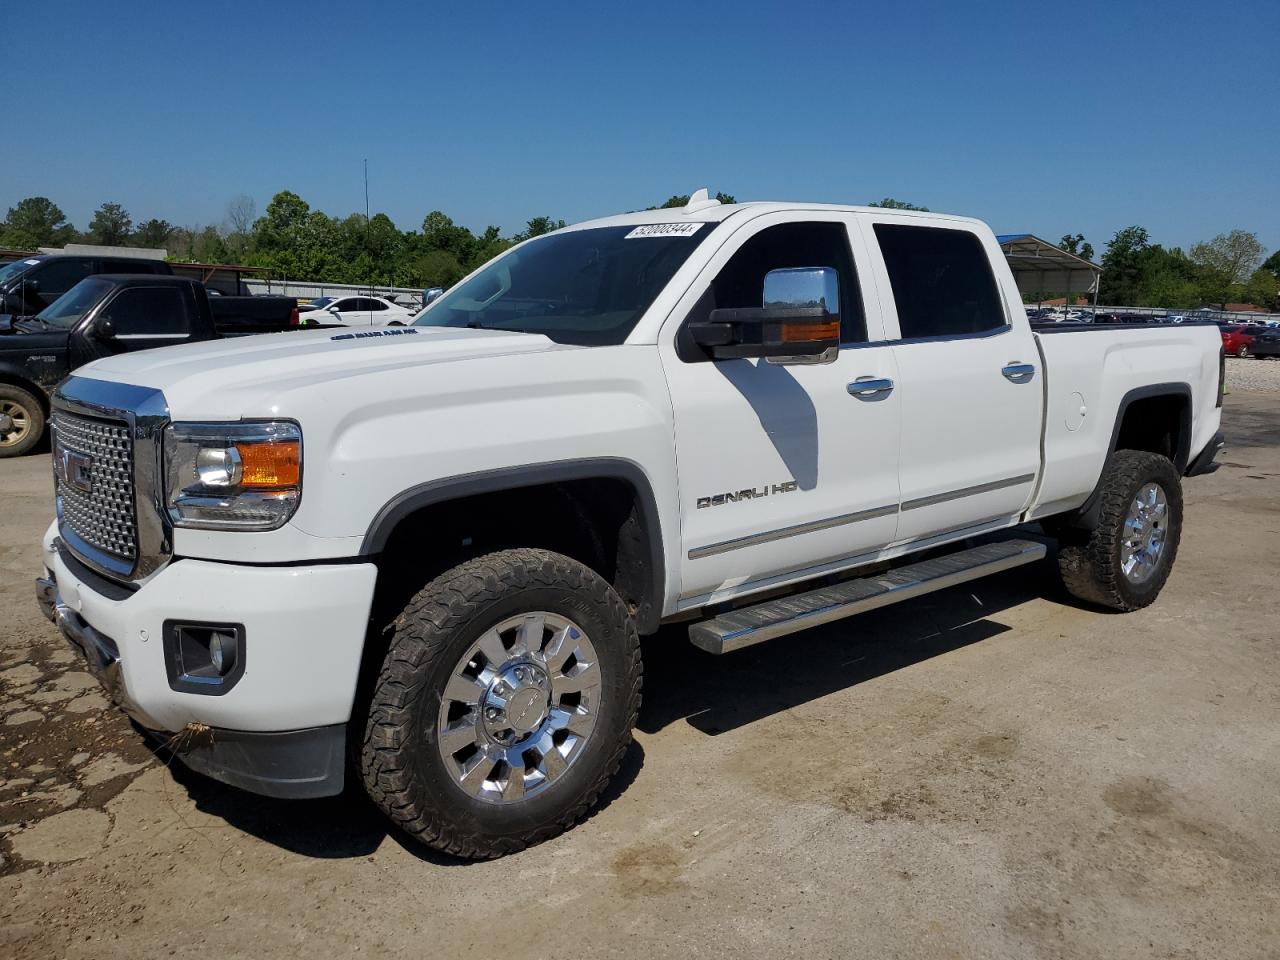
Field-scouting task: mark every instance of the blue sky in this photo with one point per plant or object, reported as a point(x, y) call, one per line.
point(1040, 117)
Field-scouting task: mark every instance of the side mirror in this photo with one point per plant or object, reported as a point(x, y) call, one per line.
point(795, 325)
point(104, 329)
point(333, 309)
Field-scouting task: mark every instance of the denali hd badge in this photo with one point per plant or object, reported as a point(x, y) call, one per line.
point(751, 493)
point(366, 334)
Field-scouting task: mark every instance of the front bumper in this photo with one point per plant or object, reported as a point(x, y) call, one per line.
point(279, 730)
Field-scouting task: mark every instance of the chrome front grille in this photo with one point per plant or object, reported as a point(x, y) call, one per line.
point(93, 476)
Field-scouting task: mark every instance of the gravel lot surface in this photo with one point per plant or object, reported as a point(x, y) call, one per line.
point(992, 771)
point(1252, 374)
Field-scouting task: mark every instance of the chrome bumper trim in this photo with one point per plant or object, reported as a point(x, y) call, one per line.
point(99, 652)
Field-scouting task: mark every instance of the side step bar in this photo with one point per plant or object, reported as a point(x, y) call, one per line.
point(775, 618)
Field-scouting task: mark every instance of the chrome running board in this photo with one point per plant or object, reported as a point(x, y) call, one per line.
point(775, 618)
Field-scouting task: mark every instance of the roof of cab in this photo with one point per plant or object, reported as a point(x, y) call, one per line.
point(717, 212)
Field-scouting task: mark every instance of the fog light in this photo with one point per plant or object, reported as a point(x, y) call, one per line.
point(216, 655)
point(206, 658)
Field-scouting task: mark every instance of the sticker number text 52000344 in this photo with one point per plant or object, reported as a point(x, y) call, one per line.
point(663, 230)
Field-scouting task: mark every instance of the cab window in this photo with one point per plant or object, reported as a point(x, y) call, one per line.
point(740, 283)
point(130, 266)
point(147, 312)
point(56, 277)
point(941, 280)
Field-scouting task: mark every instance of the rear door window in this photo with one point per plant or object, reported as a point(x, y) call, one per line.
point(148, 312)
point(942, 281)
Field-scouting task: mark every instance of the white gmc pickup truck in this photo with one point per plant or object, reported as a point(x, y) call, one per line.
point(425, 554)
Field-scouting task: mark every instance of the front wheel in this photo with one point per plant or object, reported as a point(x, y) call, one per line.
point(1243, 351)
point(21, 421)
point(1124, 562)
point(504, 705)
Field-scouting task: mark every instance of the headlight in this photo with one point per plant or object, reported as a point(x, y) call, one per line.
point(232, 476)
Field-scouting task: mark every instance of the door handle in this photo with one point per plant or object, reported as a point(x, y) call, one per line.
point(869, 388)
point(1016, 372)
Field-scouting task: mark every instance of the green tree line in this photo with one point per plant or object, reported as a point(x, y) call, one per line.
point(1226, 269)
point(297, 242)
point(291, 239)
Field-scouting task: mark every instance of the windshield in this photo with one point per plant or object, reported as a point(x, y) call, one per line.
point(319, 303)
point(586, 287)
point(66, 311)
point(11, 270)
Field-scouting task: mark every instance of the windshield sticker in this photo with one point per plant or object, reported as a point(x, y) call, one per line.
point(664, 230)
point(366, 334)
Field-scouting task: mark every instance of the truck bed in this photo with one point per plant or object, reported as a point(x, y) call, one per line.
point(1089, 379)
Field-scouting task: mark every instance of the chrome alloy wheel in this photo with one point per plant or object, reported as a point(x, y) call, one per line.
point(15, 422)
point(1145, 530)
point(519, 707)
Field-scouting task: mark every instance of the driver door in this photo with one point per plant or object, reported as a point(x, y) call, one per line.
point(784, 468)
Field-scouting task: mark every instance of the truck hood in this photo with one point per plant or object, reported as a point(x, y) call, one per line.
point(16, 335)
point(249, 376)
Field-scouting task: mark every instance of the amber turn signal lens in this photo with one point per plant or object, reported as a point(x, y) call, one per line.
point(270, 465)
point(797, 331)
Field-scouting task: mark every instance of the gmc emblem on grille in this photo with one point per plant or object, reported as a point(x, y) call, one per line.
point(73, 469)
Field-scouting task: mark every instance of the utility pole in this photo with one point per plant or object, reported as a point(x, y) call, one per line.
point(368, 246)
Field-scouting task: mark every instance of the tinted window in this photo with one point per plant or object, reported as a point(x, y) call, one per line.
point(130, 266)
point(67, 310)
point(351, 303)
point(143, 311)
point(741, 281)
point(941, 279)
point(376, 305)
point(11, 270)
point(58, 276)
point(581, 286)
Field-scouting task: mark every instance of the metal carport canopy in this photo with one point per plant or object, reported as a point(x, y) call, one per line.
point(1040, 267)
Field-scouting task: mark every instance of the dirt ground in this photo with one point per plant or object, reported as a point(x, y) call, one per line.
point(989, 772)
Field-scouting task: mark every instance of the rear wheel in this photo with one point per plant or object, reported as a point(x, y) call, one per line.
point(1124, 562)
point(505, 703)
point(21, 421)
point(1243, 351)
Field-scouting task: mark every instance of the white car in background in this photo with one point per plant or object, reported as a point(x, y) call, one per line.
point(354, 311)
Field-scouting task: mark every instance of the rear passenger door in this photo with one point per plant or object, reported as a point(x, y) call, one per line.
point(969, 379)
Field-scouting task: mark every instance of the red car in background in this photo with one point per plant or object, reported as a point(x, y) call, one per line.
point(1237, 339)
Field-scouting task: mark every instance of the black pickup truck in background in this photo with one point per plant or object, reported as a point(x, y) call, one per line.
point(107, 314)
point(30, 284)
